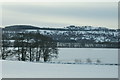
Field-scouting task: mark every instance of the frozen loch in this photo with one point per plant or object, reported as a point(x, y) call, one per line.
point(105, 55)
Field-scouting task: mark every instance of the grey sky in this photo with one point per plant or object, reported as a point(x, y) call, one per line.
point(61, 14)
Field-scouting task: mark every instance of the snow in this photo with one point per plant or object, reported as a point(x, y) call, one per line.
point(106, 55)
point(19, 69)
point(0, 69)
point(15, 69)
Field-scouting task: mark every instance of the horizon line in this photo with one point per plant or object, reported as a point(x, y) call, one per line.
point(56, 26)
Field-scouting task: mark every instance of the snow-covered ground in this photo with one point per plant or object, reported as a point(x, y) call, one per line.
point(105, 55)
point(0, 69)
point(15, 69)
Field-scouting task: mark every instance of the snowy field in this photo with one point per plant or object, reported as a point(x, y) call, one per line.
point(0, 69)
point(105, 55)
point(14, 69)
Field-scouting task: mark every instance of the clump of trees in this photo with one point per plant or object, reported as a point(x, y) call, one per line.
point(78, 61)
point(88, 61)
point(98, 61)
point(28, 46)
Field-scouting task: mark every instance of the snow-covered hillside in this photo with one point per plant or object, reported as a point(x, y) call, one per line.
point(77, 33)
point(15, 69)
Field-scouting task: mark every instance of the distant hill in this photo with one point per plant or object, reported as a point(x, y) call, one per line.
point(68, 28)
point(75, 34)
point(20, 27)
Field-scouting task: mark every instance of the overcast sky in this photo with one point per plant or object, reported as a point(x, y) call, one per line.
point(100, 14)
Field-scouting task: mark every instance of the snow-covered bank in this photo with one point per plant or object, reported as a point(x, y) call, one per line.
point(15, 69)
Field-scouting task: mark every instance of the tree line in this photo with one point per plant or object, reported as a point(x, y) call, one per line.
point(28, 46)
